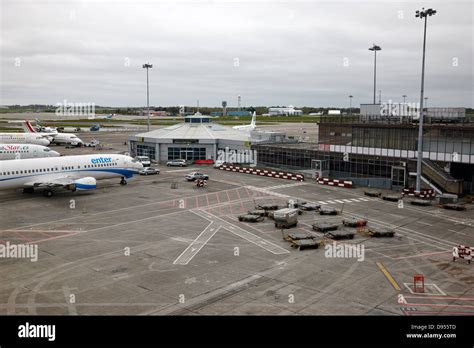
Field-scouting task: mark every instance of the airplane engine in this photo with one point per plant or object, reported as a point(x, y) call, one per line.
point(87, 183)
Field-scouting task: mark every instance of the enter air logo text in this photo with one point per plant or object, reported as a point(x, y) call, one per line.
point(101, 160)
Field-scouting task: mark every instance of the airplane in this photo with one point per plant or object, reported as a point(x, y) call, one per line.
point(25, 138)
point(248, 127)
point(68, 172)
point(24, 151)
point(57, 138)
point(103, 117)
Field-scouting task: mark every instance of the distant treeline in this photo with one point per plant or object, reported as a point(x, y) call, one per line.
point(174, 110)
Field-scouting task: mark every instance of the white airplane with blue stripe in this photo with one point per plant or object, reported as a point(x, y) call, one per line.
point(68, 172)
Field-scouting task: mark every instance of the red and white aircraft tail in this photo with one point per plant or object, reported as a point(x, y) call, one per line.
point(28, 127)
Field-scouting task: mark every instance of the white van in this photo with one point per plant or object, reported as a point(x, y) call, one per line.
point(145, 160)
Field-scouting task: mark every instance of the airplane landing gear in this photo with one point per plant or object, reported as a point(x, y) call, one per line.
point(48, 193)
point(123, 182)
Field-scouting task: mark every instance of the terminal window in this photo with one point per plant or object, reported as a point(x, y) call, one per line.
point(146, 150)
point(187, 153)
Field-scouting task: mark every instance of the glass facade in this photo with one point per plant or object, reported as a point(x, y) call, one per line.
point(146, 150)
point(187, 153)
point(441, 141)
point(372, 149)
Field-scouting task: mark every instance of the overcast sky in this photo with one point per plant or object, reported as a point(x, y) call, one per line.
point(303, 53)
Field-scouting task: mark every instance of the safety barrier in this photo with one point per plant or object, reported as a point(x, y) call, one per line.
point(424, 193)
point(262, 172)
point(335, 182)
point(209, 161)
point(463, 252)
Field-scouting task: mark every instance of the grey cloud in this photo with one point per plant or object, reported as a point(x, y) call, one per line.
point(289, 52)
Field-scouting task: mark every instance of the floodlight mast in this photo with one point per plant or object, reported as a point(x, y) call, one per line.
point(147, 66)
point(375, 48)
point(423, 14)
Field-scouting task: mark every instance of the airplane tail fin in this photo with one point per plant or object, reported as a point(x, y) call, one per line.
point(27, 127)
point(254, 119)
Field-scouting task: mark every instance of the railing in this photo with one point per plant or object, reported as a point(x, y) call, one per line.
point(443, 179)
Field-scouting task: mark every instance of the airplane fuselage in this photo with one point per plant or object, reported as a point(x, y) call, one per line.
point(25, 151)
point(18, 173)
point(24, 138)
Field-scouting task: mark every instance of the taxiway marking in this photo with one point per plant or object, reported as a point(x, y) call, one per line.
point(197, 244)
point(388, 276)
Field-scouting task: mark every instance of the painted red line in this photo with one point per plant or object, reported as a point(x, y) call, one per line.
point(441, 298)
point(218, 202)
point(437, 313)
point(248, 192)
point(207, 198)
point(438, 305)
point(229, 201)
point(23, 237)
point(421, 255)
point(45, 231)
point(238, 194)
point(51, 238)
point(197, 202)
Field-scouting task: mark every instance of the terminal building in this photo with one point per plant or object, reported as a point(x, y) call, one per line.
point(198, 138)
point(382, 154)
point(284, 111)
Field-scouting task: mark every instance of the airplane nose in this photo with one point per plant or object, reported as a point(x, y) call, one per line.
point(55, 154)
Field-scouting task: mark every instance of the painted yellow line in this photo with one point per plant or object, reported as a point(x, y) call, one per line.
point(389, 276)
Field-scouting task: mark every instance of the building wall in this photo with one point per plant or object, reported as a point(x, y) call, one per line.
point(440, 142)
point(166, 151)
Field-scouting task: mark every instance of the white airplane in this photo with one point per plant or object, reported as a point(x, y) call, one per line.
point(25, 138)
point(68, 172)
point(24, 151)
point(57, 138)
point(248, 127)
point(102, 117)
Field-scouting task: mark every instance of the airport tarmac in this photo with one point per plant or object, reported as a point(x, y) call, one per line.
point(146, 248)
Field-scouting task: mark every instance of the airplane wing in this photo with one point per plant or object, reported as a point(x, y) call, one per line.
point(68, 182)
point(63, 181)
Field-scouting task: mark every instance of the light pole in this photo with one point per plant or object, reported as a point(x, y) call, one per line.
point(350, 105)
point(426, 102)
point(421, 14)
point(404, 98)
point(375, 48)
point(147, 66)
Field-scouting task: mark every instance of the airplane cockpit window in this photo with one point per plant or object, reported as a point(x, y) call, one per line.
point(46, 149)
